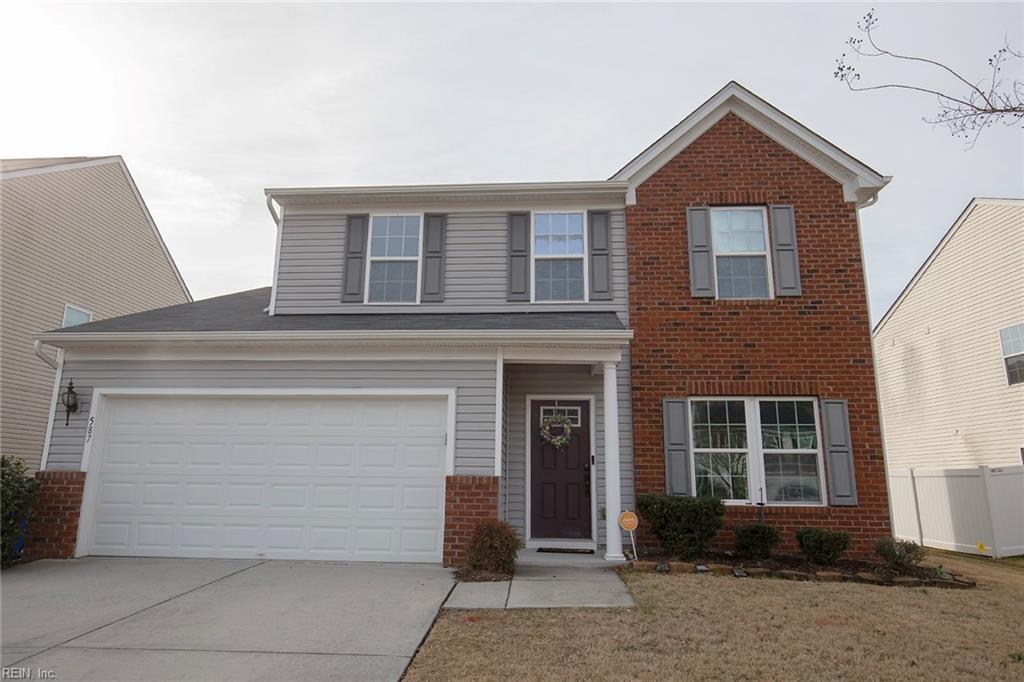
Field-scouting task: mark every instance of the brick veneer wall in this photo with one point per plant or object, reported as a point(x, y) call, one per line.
point(53, 521)
point(468, 500)
point(817, 344)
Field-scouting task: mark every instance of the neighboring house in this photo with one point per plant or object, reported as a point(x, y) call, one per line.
point(76, 244)
point(950, 354)
point(950, 350)
point(394, 385)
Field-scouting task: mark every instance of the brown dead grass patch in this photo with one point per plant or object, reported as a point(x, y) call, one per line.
point(700, 626)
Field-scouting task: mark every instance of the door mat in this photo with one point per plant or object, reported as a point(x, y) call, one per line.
point(562, 550)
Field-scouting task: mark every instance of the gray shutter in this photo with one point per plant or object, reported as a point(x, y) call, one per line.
point(785, 262)
point(698, 231)
point(599, 243)
point(519, 256)
point(677, 452)
point(842, 483)
point(434, 231)
point(355, 259)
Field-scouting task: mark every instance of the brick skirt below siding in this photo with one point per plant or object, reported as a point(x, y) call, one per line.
point(53, 521)
point(468, 500)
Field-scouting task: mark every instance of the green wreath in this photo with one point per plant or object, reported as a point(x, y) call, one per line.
point(559, 441)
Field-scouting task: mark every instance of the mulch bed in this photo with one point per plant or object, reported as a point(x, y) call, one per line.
point(466, 574)
point(796, 567)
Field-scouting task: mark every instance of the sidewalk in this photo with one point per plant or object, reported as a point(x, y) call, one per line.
point(547, 581)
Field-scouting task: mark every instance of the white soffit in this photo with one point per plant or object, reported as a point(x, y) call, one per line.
point(860, 182)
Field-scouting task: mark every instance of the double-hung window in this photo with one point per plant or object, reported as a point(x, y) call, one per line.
point(739, 240)
point(393, 274)
point(559, 257)
point(751, 450)
point(1012, 340)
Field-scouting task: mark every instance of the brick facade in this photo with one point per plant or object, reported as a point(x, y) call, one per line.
point(468, 500)
point(53, 521)
point(817, 344)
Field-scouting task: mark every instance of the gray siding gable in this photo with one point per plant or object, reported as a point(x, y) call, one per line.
point(312, 262)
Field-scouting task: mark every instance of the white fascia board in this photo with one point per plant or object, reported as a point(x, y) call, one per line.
point(860, 182)
point(63, 339)
point(43, 170)
point(604, 192)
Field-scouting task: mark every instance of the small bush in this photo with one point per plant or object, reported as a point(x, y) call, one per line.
point(821, 545)
point(16, 492)
point(756, 540)
point(685, 525)
point(493, 548)
point(899, 555)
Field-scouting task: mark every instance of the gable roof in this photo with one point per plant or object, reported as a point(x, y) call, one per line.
point(946, 238)
point(21, 168)
point(860, 182)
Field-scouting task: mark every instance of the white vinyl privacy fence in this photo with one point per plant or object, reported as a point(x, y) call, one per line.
point(978, 510)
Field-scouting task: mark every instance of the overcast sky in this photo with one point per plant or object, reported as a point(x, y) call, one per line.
point(211, 104)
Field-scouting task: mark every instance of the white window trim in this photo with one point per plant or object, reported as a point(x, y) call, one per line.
point(767, 253)
point(69, 306)
point(561, 256)
point(370, 259)
point(755, 451)
point(1006, 370)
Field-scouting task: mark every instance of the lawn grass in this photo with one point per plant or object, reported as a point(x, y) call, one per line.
point(688, 626)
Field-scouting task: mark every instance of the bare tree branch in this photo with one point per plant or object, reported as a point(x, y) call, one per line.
point(966, 114)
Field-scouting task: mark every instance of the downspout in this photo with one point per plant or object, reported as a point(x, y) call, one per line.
point(37, 346)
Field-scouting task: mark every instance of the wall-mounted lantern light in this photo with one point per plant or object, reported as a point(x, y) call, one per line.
point(69, 399)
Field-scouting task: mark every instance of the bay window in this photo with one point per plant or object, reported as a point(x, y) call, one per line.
point(751, 450)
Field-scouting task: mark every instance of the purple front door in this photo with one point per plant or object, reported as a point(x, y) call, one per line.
point(560, 476)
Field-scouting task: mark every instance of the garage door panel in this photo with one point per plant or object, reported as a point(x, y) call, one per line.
point(389, 497)
point(327, 478)
point(370, 539)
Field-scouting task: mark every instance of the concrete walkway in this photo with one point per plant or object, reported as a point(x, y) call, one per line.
point(192, 619)
point(547, 581)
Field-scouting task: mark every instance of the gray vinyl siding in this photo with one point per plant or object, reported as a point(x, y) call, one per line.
point(474, 382)
point(312, 255)
point(524, 380)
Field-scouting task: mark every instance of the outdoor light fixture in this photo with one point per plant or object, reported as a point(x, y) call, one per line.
point(69, 399)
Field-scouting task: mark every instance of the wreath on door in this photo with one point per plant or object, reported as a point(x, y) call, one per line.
point(561, 439)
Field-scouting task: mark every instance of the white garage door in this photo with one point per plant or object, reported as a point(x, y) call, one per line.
point(336, 478)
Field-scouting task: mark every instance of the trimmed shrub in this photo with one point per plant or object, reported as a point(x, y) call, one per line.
point(493, 548)
point(17, 489)
point(821, 545)
point(899, 555)
point(685, 525)
point(756, 540)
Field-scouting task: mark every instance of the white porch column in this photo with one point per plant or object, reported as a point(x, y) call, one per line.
point(612, 485)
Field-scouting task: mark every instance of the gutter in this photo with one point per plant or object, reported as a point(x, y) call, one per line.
point(471, 335)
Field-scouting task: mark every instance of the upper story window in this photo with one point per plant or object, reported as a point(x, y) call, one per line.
point(75, 316)
point(757, 449)
point(1012, 339)
point(739, 240)
point(559, 257)
point(394, 267)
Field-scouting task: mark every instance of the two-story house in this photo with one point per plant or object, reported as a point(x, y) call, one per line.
point(77, 243)
point(431, 356)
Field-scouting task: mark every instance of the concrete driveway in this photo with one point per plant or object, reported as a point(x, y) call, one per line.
point(201, 619)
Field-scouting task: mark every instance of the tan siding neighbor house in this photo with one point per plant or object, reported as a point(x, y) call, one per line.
point(76, 242)
point(946, 393)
